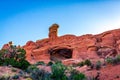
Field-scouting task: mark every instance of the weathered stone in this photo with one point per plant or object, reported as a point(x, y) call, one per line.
point(106, 52)
point(73, 47)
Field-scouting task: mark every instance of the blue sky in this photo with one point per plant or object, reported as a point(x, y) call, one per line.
point(24, 20)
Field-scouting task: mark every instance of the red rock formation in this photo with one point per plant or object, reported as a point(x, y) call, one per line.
point(74, 47)
point(53, 31)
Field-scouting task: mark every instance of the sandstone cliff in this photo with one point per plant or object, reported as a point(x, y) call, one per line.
point(73, 48)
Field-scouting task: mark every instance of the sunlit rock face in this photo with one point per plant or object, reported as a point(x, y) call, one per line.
point(71, 47)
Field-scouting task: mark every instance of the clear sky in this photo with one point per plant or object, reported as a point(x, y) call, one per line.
point(24, 20)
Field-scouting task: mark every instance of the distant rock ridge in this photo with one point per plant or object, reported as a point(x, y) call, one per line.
point(73, 48)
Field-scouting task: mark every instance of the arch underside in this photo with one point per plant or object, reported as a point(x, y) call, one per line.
point(61, 54)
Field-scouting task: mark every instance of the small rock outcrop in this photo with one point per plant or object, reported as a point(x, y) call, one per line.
point(53, 30)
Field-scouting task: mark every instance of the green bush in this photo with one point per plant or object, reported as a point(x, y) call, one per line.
point(76, 75)
point(23, 64)
point(8, 61)
point(32, 68)
point(79, 76)
point(50, 63)
point(38, 74)
point(81, 64)
point(87, 62)
point(114, 60)
point(92, 66)
point(58, 71)
point(98, 65)
point(14, 70)
point(40, 63)
point(15, 76)
point(14, 56)
point(109, 60)
point(4, 78)
point(118, 57)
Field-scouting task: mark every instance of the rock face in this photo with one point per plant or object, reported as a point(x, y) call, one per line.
point(73, 47)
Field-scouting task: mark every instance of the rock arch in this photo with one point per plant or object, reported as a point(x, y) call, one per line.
point(59, 54)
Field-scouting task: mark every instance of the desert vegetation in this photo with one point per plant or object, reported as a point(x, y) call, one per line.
point(86, 62)
point(113, 60)
point(58, 72)
point(13, 58)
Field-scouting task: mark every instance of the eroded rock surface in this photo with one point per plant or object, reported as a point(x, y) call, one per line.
point(74, 47)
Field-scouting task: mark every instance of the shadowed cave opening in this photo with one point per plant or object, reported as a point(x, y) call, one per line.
point(61, 54)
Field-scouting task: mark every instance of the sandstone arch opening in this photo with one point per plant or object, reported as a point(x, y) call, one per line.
point(61, 54)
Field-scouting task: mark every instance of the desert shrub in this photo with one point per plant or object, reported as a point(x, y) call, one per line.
point(15, 76)
point(76, 75)
point(92, 66)
point(50, 63)
point(40, 63)
point(20, 54)
point(22, 64)
point(87, 62)
point(114, 60)
point(10, 61)
point(69, 69)
point(98, 65)
point(13, 56)
point(2, 57)
point(81, 64)
point(58, 71)
point(118, 58)
point(109, 60)
point(14, 70)
point(38, 74)
point(79, 76)
point(22, 74)
point(32, 68)
point(4, 78)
